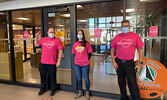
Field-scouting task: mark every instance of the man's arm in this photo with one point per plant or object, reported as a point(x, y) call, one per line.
point(113, 59)
point(141, 58)
point(36, 39)
point(141, 55)
point(60, 54)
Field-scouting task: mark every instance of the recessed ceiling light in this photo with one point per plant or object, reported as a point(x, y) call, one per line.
point(79, 7)
point(13, 26)
point(22, 18)
point(37, 27)
point(129, 10)
point(50, 23)
point(60, 25)
point(2, 13)
point(82, 21)
point(65, 15)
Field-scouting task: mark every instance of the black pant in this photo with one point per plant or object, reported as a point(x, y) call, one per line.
point(126, 70)
point(48, 76)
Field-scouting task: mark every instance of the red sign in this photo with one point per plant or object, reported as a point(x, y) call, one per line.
point(153, 31)
point(97, 33)
point(25, 34)
point(47, 98)
point(151, 79)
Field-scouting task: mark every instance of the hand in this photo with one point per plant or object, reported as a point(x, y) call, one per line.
point(58, 64)
point(138, 67)
point(115, 65)
point(37, 34)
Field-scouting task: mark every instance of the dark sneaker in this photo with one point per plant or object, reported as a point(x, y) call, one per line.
point(52, 93)
point(41, 91)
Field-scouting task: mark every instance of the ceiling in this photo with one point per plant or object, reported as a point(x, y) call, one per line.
point(34, 15)
point(106, 9)
point(6, 0)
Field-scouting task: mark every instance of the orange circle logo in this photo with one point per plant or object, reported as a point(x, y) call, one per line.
point(151, 79)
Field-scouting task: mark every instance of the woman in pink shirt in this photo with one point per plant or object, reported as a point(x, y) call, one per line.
point(82, 51)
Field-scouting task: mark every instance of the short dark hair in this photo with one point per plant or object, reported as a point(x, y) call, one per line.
point(51, 27)
point(125, 21)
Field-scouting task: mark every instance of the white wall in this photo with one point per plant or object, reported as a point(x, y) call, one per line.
point(19, 4)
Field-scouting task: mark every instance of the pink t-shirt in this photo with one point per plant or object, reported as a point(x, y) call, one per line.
point(50, 49)
point(126, 44)
point(81, 53)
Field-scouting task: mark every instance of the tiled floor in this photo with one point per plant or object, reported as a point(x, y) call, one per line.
point(101, 73)
point(12, 92)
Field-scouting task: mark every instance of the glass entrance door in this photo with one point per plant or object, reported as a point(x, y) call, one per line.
point(59, 19)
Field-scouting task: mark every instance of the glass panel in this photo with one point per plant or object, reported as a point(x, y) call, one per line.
point(29, 41)
point(61, 23)
point(27, 62)
point(108, 23)
point(18, 38)
point(102, 25)
point(102, 20)
point(108, 20)
point(151, 15)
point(5, 66)
point(37, 29)
point(91, 22)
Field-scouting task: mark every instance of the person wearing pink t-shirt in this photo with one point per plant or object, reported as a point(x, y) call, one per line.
point(51, 49)
point(125, 44)
point(82, 51)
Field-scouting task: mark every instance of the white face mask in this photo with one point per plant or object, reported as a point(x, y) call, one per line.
point(51, 35)
point(125, 30)
point(80, 37)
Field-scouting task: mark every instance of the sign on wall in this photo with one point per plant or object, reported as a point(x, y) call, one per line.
point(151, 79)
point(25, 34)
point(153, 31)
point(97, 33)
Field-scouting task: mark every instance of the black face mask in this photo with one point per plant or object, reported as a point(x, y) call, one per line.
point(80, 41)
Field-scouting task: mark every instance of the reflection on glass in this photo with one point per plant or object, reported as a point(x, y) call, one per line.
point(154, 14)
point(61, 23)
point(5, 65)
point(27, 57)
point(18, 35)
point(102, 28)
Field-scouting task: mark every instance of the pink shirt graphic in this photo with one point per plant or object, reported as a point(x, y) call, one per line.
point(126, 44)
point(50, 49)
point(81, 53)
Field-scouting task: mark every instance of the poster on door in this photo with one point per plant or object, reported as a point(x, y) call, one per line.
point(97, 33)
point(153, 31)
point(60, 35)
point(151, 80)
point(25, 34)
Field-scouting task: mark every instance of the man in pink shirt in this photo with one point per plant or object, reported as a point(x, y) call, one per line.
point(51, 49)
point(125, 45)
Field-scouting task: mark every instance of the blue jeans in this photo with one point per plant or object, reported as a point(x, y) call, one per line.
point(82, 70)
